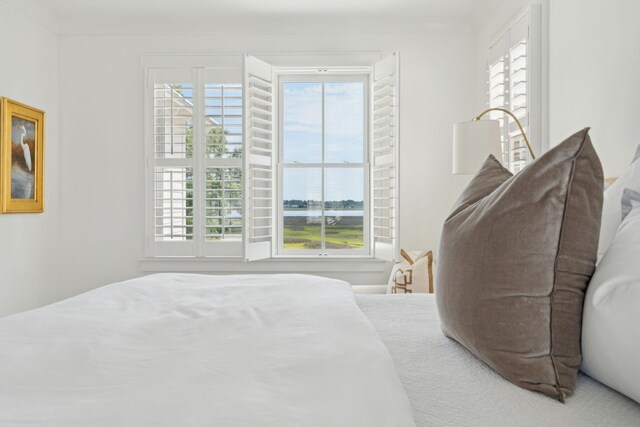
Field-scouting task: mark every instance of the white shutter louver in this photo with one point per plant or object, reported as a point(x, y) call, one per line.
point(258, 155)
point(173, 204)
point(509, 87)
point(384, 154)
point(223, 124)
point(223, 203)
point(173, 120)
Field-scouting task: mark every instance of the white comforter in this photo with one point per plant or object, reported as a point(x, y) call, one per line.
point(192, 350)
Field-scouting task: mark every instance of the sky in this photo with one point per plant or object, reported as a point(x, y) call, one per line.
point(344, 139)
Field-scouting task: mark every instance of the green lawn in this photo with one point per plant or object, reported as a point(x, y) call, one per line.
point(347, 233)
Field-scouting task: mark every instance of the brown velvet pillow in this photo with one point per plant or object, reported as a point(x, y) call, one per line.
point(516, 256)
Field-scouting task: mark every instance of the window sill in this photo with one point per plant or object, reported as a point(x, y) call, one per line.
point(280, 264)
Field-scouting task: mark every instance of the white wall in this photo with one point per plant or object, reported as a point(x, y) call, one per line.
point(90, 233)
point(101, 129)
point(28, 74)
point(594, 77)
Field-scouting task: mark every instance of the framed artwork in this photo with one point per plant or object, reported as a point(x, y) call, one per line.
point(21, 158)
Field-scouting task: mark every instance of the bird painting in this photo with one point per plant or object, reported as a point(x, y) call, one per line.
point(22, 159)
point(25, 147)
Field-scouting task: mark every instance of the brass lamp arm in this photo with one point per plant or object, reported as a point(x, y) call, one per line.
point(526, 140)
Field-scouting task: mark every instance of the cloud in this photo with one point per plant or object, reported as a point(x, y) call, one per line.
point(303, 107)
point(343, 121)
point(344, 108)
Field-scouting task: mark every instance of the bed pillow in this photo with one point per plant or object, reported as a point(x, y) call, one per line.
point(611, 325)
point(611, 214)
point(415, 270)
point(516, 255)
point(630, 200)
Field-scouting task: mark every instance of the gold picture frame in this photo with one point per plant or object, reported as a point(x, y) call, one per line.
point(21, 158)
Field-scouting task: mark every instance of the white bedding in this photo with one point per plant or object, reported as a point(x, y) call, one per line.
point(191, 350)
point(447, 386)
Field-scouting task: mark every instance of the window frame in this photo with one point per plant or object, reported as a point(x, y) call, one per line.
point(327, 75)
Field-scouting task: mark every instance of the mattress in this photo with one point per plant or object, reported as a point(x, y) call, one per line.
point(447, 386)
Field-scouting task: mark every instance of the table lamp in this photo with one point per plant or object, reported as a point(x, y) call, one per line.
point(474, 140)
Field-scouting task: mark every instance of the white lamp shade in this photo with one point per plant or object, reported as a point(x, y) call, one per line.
point(472, 142)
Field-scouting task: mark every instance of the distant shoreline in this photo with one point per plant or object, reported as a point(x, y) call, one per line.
point(292, 212)
point(330, 209)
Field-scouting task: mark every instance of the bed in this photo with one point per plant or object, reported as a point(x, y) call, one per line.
point(261, 350)
point(447, 386)
point(198, 350)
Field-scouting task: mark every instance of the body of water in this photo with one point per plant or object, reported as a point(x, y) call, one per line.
point(317, 212)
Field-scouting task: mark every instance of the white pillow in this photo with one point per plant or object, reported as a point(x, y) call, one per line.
point(611, 214)
point(611, 317)
point(419, 263)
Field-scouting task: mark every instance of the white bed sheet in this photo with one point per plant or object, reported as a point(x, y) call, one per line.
point(447, 386)
point(193, 350)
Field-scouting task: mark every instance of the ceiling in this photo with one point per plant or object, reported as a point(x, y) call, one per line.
point(177, 16)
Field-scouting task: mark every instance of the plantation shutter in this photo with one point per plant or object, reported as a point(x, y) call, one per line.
point(222, 128)
point(384, 152)
point(518, 93)
point(258, 156)
point(194, 161)
point(171, 163)
point(497, 81)
point(514, 83)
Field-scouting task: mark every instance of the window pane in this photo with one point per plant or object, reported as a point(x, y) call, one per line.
point(344, 208)
point(302, 122)
point(344, 122)
point(302, 208)
point(173, 120)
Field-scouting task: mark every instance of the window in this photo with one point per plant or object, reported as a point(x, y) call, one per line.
point(196, 163)
point(323, 165)
point(319, 169)
point(272, 161)
point(514, 84)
